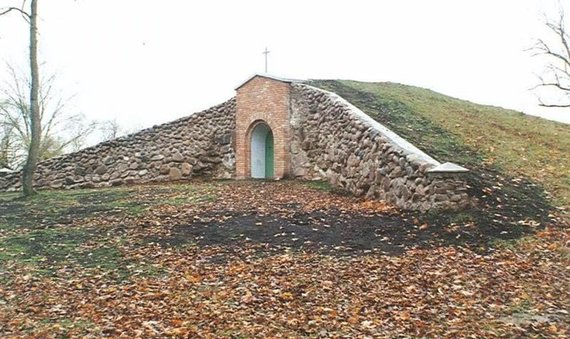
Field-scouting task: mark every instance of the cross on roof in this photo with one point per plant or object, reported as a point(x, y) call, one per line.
point(266, 52)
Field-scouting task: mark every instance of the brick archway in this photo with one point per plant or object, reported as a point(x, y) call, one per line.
point(262, 99)
point(257, 147)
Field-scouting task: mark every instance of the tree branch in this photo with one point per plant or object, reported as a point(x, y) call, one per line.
point(552, 84)
point(556, 74)
point(551, 106)
point(21, 11)
point(564, 37)
point(543, 49)
point(542, 104)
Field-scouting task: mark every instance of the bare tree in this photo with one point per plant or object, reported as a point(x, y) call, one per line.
point(110, 130)
point(556, 51)
point(62, 131)
point(7, 146)
point(31, 18)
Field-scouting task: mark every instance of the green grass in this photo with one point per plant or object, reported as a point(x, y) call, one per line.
point(319, 185)
point(59, 246)
point(188, 198)
point(66, 328)
point(469, 134)
point(506, 244)
point(49, 250)
point(52, 229)
point(55, 207)
point(132, 208)
point(187, 194)
point(8, 196)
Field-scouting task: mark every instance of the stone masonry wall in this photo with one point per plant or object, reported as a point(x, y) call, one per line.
point(318, 135)
point(197, 145)
point(333, 140)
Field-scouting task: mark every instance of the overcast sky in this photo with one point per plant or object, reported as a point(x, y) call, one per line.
point(145, 62)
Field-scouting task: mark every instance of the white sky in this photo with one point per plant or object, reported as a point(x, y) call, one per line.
point(145, 62)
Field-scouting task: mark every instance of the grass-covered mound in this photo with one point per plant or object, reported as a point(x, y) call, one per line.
point(471, 134)
point(519, 163)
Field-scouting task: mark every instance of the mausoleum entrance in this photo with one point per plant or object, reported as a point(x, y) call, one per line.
point(263, 128)
point(262, 151)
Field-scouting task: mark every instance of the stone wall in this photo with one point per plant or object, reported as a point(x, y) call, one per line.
point(197, 145)
point(334, 140)
point(318, 135)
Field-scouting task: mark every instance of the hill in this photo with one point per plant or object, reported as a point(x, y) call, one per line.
point(456, 130)
point(491, 141)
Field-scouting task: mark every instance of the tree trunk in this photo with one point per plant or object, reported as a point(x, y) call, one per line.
point(35, 121)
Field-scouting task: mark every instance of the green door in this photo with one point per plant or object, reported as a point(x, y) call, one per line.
point(269, 155)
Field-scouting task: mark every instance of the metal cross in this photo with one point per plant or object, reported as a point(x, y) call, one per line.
point(266, 52)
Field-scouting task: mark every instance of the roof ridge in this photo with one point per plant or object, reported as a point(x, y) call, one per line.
point(268, 76)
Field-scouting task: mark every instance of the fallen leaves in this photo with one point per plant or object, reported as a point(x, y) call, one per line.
point(248, 297)
point(420, 293)
point(268, 288)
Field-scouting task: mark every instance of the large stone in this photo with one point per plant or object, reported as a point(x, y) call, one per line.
point(108, 160)
point(122, 167)
point(101, 169)
point(79, 170)
point(186, 169)
point(164, 169)
point(405, 192)
point(174, 174)
point(177, 157)
point(200, 166)
point(157, 157)
point(117, 182)
point(86, 185)
point(371, 192)
point(212, 160)
point(397, 172)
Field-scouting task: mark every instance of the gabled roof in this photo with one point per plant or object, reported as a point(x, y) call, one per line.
point(268, 76)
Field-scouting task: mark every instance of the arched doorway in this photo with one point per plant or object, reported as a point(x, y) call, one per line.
point(262, 157)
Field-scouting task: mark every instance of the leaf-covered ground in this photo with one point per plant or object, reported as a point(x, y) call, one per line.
point(271, 259)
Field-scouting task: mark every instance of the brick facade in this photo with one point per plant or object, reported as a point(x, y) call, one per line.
point(263, 99)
